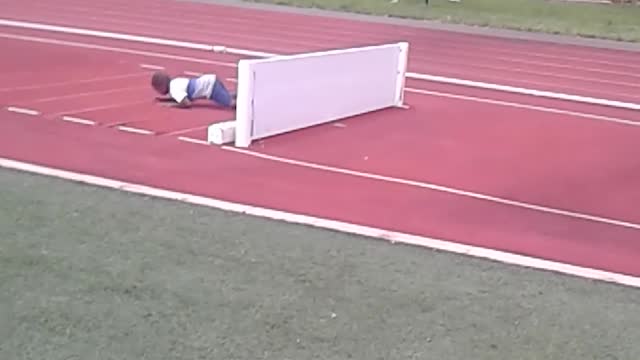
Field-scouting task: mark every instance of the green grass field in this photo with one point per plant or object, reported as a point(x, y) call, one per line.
point(617, 22)
point(89, 273)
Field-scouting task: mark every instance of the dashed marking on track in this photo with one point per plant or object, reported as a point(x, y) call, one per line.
point(192, 140)
point(405, 106)
point(187, 130)
point(23, 111)
point(192, 73)
point(78, 120)
point(340, 125)
point(233, 80)
point(152, 67)
point(135, 130)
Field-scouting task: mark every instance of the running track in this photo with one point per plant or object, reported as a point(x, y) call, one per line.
point(499, 147)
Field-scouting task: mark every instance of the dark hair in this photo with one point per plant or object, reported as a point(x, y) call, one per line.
point(160, 81)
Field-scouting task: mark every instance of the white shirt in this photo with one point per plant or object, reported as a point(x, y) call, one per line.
point(192, 88)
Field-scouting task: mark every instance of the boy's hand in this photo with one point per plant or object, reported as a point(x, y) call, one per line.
point(164, 98)
point(185, 103)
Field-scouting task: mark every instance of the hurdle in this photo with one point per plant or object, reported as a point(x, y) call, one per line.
point(285, 93)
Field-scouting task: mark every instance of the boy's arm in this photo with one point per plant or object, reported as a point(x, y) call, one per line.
point(185, 103)
point(164, 98)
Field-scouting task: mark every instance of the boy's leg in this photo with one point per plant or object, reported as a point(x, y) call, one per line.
point(222, 96)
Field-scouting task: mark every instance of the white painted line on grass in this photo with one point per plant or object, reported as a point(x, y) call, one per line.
point(151, 67)
point(192, 140)
point(440, 188)
point(135, 130)
point(391, 236)
point(78, 120)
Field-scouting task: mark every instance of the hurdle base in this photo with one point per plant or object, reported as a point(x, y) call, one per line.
point(221, 133)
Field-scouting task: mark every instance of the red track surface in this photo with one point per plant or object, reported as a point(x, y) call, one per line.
point(560, 155)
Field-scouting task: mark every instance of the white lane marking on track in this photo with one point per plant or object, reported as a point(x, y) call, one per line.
point(116, 49)
point(77, 120)
point(440, 188)
point(192, 73)
point(394, 237)
point(425, 92)
point(88, 93)
point(151, 67)
point(96, 108)
point(526, 106)
point(187, 130)
point(244, 52)
point(73, 82)
point(192, 140)
point(23, 111)
point(135, 130)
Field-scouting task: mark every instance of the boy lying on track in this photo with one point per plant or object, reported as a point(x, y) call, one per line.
point(185, 90)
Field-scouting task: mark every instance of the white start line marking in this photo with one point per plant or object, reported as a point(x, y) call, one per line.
point(78, 120)
point(23, 111)
point(135, 130)
point(192, 140)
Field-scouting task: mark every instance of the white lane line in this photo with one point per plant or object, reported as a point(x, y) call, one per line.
point(244, 52)
point(78, 120)
point(96, 108)
point(526, 106)
point(192, 140)
point(151, 67)
point(116, 49)
point(441, 188)
point(88, 93)
point(23, 111)
point(73, 82)
point(135, 130)
point(420, 91)
point(192, 73)
point(451, 246)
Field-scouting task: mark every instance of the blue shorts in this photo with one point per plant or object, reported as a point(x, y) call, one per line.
point(220, 94)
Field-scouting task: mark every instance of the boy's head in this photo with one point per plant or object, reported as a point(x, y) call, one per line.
point(160, 82)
